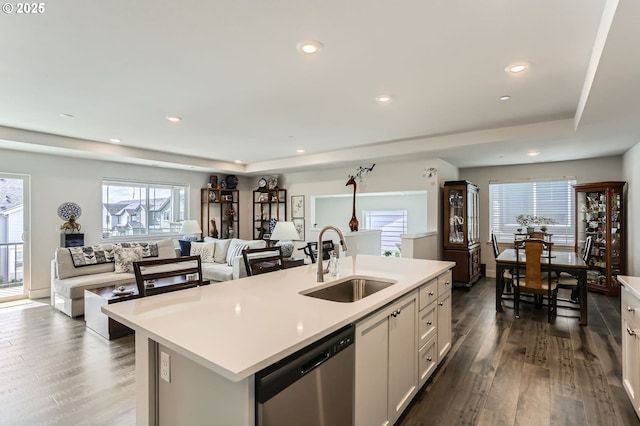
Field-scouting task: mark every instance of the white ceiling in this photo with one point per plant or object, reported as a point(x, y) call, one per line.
point(232, 71)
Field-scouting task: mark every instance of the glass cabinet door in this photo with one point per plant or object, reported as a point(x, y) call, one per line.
point(456, 216)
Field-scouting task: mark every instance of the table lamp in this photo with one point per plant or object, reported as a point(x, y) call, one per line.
point(284, 232)
point(190, 229)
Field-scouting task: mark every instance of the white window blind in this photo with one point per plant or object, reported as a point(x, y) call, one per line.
point(554, 199)
point(393, 224)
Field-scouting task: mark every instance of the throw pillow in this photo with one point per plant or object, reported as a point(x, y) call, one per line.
point(124, 258)
point(220, 254)
point(205, 250)
point(235, 249)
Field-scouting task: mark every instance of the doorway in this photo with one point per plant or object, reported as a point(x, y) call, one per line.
point(14, 214)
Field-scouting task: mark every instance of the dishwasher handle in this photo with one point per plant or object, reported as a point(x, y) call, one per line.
point(310, 365)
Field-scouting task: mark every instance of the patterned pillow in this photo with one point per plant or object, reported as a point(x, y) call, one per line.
point(148, 249)
point(235, 249)
point(90, 255)
point(124, 258)
point(205, 250)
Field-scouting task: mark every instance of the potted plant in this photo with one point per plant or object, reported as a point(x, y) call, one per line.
point(525, 221)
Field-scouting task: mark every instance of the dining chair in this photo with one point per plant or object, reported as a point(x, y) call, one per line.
point(262, 260)
point(158, 276)
point(534, 281)
point(570, 281)
point(507, 275)
point(311, 250)
point(538, 234)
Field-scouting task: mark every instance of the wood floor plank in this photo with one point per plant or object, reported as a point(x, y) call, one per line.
point(534, 396)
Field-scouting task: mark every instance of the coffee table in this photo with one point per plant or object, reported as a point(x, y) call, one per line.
point(95, 299)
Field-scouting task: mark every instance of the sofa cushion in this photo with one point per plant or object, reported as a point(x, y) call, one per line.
point(74, 287)
point(220, 255)
point(124, 258)
point(206, 251)
point(217, 272)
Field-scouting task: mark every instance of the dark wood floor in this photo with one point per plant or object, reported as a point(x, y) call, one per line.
point(500, 371)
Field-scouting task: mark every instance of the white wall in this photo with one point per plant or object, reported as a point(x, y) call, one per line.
point(584, 171)
point(631, 173)
point(56, 179)
point(385, 177)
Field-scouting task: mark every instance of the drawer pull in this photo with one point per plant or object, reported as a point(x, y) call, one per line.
point(429, 359)
point(431, 293)
point(446, 283)
point(630, 309)
point(441, 303)
point(631, 332)
point(429, 322)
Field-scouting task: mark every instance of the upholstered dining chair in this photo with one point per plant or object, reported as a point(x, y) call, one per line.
point(262, 260)
point(568, 281)
point(534, 281)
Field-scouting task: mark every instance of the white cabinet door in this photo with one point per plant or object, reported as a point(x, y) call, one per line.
point(630, 307)
point(372, 370)
point(444, 325)
point(403, 359)
point(386, 363)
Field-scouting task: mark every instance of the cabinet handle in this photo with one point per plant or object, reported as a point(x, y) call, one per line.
point(431, 293)
point(441, 303)
point(446, 283)
point(630, 309)
point(429, 359)
point(631, 332)
point(429, 322)
point(398, 312)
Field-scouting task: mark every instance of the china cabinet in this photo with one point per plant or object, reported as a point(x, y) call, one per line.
point(461, 238)
point(222, 205)
point(600, 214)
point(268, 204)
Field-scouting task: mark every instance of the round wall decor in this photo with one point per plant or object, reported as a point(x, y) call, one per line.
point(67, 209)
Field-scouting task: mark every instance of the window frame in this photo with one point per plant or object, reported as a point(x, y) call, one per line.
point(151, 232)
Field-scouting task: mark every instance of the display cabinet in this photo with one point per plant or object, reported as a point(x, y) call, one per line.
point(600, 214)
point(461, 236)
point(221, 205)
point(268, 204)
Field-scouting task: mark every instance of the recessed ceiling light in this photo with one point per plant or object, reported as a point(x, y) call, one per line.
point(173, 118)
point(65, 115)
point(533, 153)
point(309, 47)
point(114, 140)
point(238, 161)
point(383, 99)
point(505, 98)
point(516, 68)
point(300, 151)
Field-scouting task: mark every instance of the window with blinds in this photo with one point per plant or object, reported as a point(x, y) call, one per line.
point(553, 199)
point(393, 224)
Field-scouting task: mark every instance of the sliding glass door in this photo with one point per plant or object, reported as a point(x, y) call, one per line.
point(14, 223)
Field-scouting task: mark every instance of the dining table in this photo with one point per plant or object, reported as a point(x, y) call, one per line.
point(561, 261)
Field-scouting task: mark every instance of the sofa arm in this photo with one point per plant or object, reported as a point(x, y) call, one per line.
point(239, 270)
point(54, 276)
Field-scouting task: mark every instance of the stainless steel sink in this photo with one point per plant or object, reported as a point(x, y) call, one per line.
point(349, 289)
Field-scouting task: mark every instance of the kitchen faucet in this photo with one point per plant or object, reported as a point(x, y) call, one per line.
point(321, 271)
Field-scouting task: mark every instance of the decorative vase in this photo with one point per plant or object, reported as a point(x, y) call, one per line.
point(214, 229)
point(530, 230)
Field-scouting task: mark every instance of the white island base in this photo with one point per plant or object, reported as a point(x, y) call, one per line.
point(218, 336)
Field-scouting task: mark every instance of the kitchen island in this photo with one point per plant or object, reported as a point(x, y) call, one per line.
point(219, 336)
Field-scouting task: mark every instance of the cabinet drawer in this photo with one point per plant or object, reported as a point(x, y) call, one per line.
point(630, 305)
point(427, 324)
point(427, 358)
point(428, 293)
point(444, 283)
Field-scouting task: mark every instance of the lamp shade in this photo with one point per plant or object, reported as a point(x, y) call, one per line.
point(284, 232)
point(190, 229)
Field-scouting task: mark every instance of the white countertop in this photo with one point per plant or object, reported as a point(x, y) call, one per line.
point(632, 283)
point(236, 328)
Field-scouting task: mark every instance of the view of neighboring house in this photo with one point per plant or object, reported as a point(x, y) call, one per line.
point(11, 229)
point(129, 217)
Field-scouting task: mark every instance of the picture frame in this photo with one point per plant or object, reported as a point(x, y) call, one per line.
point(213, 180)
point(299, 224)
point(297, 206)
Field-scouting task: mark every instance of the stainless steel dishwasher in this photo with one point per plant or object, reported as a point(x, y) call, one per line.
point(314, 386)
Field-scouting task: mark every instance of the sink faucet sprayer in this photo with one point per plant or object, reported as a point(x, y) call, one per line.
point(321, 271)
